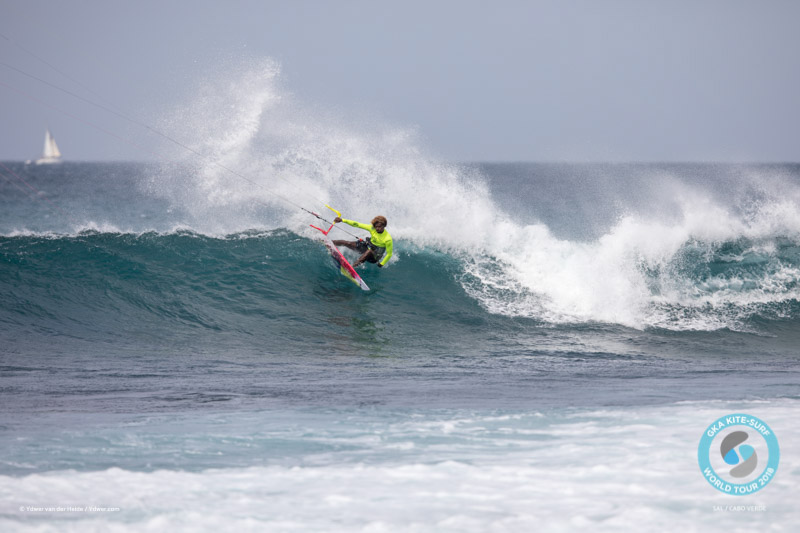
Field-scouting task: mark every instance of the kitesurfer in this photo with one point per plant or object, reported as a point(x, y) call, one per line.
point(377, 248)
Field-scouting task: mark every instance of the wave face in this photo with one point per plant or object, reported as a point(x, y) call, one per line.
point(104, 285)
point(155, 288)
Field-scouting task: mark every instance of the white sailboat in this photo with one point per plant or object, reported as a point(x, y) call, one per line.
point(51, 152)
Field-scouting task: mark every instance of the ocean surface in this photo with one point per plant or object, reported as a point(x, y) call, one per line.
point(543, 352)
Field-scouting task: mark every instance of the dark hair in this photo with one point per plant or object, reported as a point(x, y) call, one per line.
point(379, 218)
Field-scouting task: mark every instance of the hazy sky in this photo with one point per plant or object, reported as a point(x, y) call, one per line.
point(478, 80)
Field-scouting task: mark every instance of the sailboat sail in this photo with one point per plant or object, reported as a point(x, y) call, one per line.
point(50, 146)
point(51, 152)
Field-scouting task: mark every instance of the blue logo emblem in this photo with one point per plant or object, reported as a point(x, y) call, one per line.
point(738, 454)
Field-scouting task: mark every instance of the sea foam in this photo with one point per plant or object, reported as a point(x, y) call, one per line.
point(601, 469)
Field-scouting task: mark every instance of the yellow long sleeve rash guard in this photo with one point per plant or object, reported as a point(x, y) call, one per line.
point(381, 240)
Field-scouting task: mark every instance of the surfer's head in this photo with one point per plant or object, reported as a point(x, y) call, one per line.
point(379, 223)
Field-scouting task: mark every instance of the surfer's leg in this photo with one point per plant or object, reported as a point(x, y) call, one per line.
point(364, 257)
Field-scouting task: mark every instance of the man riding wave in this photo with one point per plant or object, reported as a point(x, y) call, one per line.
point(377, 247)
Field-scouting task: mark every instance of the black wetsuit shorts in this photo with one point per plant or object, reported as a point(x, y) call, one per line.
point(377, 252)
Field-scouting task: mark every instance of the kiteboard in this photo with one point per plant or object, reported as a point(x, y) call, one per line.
point(345, 268)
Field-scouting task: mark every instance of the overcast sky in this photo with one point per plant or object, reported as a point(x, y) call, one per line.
point(479, 81)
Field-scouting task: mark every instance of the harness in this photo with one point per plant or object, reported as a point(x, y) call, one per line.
point(377, 251)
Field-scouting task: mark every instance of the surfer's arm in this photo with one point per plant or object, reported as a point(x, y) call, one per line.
point(357, 224)
point(387, 255)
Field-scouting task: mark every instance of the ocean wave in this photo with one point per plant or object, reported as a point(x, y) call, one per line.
point(116, 280)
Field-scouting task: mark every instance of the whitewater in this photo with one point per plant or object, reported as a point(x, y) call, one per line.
point(544, 350)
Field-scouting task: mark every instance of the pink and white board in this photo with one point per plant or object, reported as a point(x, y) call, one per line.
point(345, 267)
